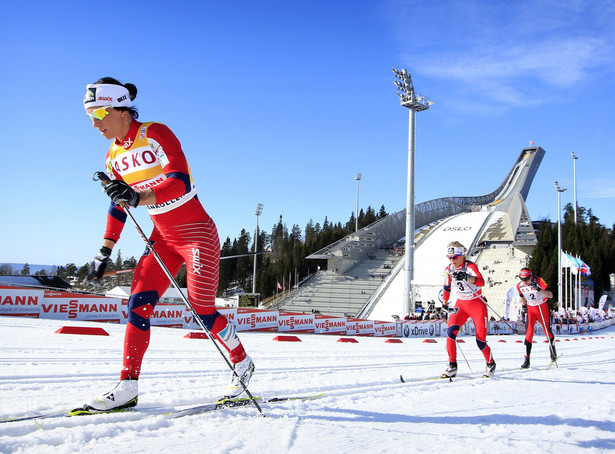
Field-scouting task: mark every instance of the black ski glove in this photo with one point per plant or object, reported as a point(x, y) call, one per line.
point(460, 275)
point(120, 192)
point(100, 263)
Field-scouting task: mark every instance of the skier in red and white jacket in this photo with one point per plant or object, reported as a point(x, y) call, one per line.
point(534, 292)
point(147, 167)
point(464, 277)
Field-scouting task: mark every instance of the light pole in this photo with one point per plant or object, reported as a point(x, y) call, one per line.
point(416, 103)
point(559, 242)
point(574, 160)
point(259, 210)
point(356, 227)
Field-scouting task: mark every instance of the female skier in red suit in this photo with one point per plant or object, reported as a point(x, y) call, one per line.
point(464, 277)
point(147, 167)
point(534, 292)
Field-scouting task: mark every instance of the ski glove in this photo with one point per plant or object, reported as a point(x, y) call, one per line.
point(535, 286)
point(120, 192)
point(446, 309)
point(100, 263)
point(460, 275)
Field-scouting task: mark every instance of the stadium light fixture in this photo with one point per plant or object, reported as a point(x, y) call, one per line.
point(257, 213)
point(559, 241)
point(356, 227)
point(415, 103)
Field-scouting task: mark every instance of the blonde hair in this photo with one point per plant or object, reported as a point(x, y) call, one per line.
point(457, 244)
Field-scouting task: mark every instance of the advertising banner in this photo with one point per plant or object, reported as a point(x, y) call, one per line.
point(77, 306)
point(167, 315)
point(62, 305)
point(324, 324)
point(248, 319)
point(385, 329)
point(357, 327)
point(22, 302)
point(419, 328)
point(295, 322)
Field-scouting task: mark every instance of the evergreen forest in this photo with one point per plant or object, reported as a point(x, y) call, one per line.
point(282, 253)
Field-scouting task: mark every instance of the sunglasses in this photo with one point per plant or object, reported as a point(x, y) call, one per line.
point(453, 256)
point(99, 113)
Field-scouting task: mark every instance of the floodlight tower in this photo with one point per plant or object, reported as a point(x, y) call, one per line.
point(416, 103)
point(559, 242)
point(257, 213)
point(356, 227)
point(574, 160)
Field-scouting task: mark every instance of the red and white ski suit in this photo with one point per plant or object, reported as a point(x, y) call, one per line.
point(537, 307)
point(467, 305)
point(150, 156)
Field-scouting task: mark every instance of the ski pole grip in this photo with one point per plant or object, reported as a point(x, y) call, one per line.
point(104, 180)
point(102, 177)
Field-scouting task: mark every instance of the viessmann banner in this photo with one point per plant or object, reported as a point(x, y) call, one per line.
point(59, 305)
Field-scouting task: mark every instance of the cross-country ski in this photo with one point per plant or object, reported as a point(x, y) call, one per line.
point(169, 412)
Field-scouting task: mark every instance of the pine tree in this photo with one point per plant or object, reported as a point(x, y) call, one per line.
point(244, 268)
point(227, 267)
point(118, 260)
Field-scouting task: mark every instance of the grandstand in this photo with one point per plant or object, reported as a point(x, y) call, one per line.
point(364, 276)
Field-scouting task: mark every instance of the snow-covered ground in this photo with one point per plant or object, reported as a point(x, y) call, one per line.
point(365, 408)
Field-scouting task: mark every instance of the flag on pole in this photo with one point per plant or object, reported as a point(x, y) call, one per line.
point(531, 142)
point(565, 259)
point(575, 264)
point(584, 267)
point(279, 286)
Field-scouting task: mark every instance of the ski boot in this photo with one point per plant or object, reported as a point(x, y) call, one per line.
point(553, 351)
point(526, 363)
point(451, 371)
point(490, 369)
point(243, 371)
point(124, 395)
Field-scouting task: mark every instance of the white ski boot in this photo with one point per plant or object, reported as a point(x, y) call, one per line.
point(451, 371)
point(244, 370)
point(489, 370)
point(124, 395)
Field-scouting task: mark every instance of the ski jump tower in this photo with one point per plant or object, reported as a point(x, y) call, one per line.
point(498, 219)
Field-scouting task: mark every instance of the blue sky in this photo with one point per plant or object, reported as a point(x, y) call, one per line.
point(283, 103)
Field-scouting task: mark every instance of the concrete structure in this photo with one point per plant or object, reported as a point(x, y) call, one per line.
point(364, 276)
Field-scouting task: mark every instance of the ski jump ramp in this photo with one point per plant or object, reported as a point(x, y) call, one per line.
point(498, 220)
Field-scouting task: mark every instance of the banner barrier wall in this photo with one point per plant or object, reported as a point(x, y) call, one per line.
point(325, 324)
point(296, 322)
point(61, 305)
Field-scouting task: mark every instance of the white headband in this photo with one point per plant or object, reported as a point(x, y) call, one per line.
point(106, 95)
point(455, 251)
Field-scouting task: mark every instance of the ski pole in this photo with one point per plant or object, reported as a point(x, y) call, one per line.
point(544, 325)
point(104, 180)
point(480, 297)
point(459, 347)
point(462, 354)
